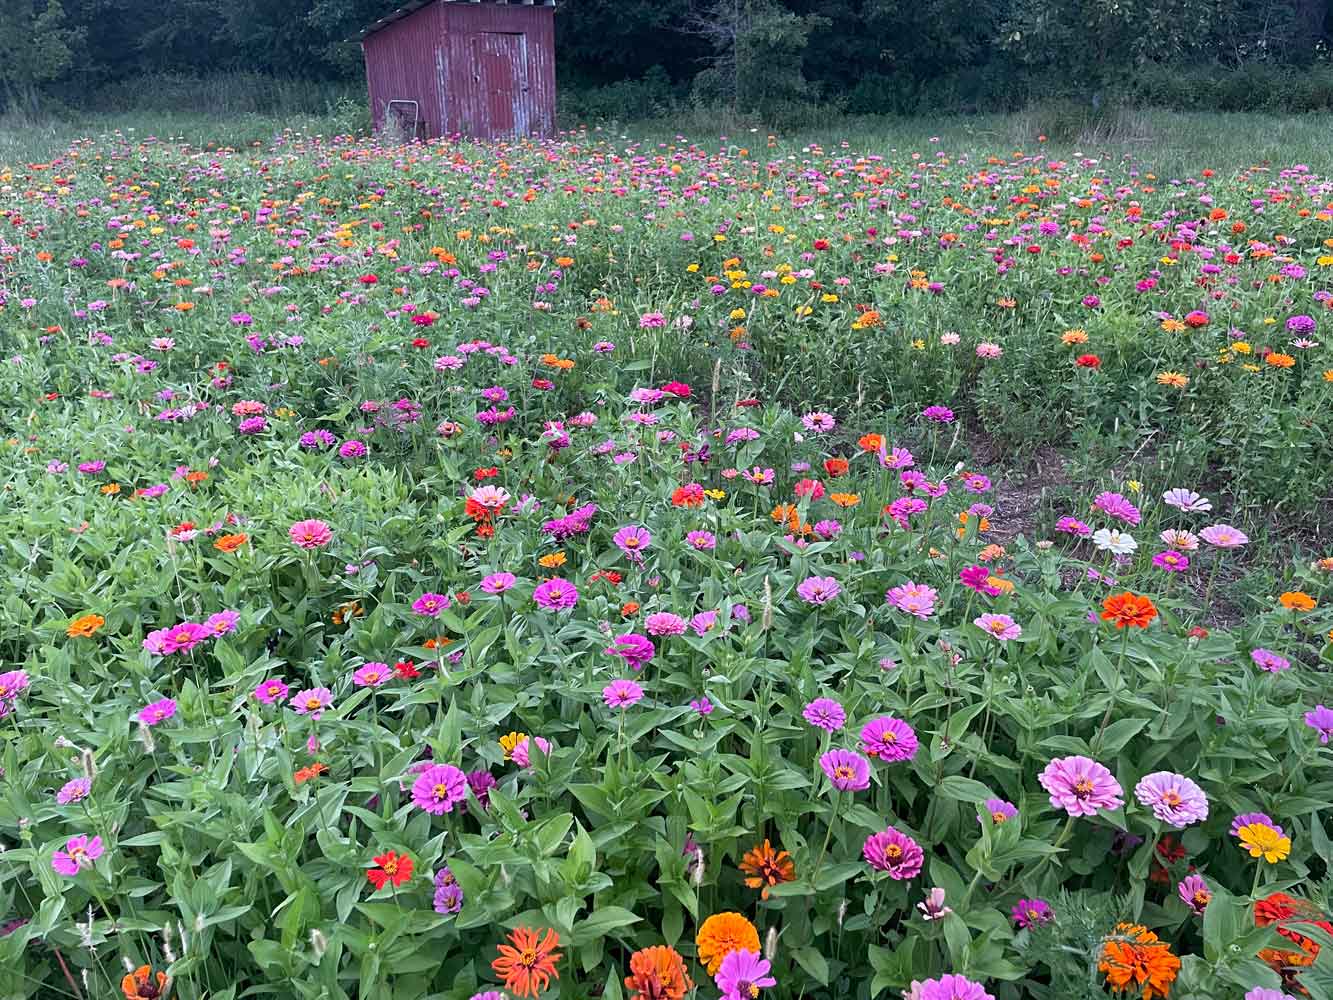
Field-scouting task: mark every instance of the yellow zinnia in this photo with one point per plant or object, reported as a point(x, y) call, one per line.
point(1262, 841)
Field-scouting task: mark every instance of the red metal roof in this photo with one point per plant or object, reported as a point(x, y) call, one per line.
point(412, 6)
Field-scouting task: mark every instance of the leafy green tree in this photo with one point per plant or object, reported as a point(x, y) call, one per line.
point(37, 46)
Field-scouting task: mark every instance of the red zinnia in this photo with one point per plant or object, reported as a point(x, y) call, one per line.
point(395, 868)
point(1088, 361)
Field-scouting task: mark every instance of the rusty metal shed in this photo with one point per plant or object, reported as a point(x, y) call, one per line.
point(475, 67)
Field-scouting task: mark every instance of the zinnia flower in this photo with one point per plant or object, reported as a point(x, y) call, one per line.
point(1134, 960)
point(1195, 894)
point(1187, 501)
point(312, 534)
point(312, 702)
point(1224, 536)
point(742, 974)
point(144, 984)
point(1080, 786)
point(528, 966)
point(80, 852)
point(157, 711)
point(894, 852)
point(1320, 719)
point(888, 739)
point(1266, 659)
point(720, 935)
point(1173, 798)
point(1128, 610)
point(914, 598)
point(818, 590)
point(75, 790)
point(555, 594)
point(999, 810)
point(1000, 627)
point(1119, 543)
point(1032, 912)
point(621, 694)
point(849, 771)
point(828, 715)
point(948, 987)
point(634, 649)
point(395, 868)
point(1263, 839)
point(766, 867)
point(657, 973)
point(439, 788)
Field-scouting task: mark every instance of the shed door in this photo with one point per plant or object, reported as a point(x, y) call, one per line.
point(500, 69)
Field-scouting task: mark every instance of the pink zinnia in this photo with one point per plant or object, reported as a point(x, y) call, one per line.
point(632, 540)
point(222, 623)
point(74, 791)
point(1224, 536)
point(621, 694)
point(271, 690)
point(555, 594)
point(742, 974)
point(312, 534)
point(183, 637)
point(634, 649)
point(888, 739)
point(80, 852)
point(1116, 506)
point(1171, 561)
point(522, 752)
point(498, 583)
point(665, 623)
point(372, 675)
point(893, 852)
point(978, 578)
point(430, 605)
point(948, 987)
point(1000, 627)
point(157, 711)
point(312, 701)
point(1080, 786)
point(1266, 659)
point(914, 598)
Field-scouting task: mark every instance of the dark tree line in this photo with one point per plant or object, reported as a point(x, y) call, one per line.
point(742, 54)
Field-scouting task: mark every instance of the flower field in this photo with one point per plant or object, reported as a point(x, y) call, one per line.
point(583, 570)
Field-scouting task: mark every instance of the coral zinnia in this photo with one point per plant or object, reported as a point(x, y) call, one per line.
point(1128, 610)
point(767, 867)
point(528, 965)
point(657, 973)
point(1135, 960)
point(1284, 910)
point(141, 984)
point(395, 868)
point(720, 935)
point(84, 626)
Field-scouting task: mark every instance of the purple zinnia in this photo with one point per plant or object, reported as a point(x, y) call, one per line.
point(888, 739)
point(1195, 894)
point(818, 590)
point(948, 987)
point(828, 715)
point(439, 788)
point(999, 810)
point(938, 414)
point(1080, 786)
point(632, 540)
point(1224, 536)
point(849, 771)
point(481, 783)
point(742, 974)
point(914, 598)
point(222, 623)
point(893, 852)
point(1266, 659)
point(1173, 798)
point(74, 791)
point(498, 583)
point(448, 893)
point(1321, 721)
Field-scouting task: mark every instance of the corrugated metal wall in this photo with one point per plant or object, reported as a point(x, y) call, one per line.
point(501, 60)
point(400, 65)
point(482, 69)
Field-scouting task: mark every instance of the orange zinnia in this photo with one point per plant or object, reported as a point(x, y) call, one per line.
point(1135, 960)
point(720, 935)
point(230, 543)
point(84, 626)
point(1128, 610)
point(845, 499)
point(767, 867)
point(657, 973)
point(527, 966)
point(551, 560)
point(870, 442)
point(1278, 360)
point(1297, 600)
point(142, 985)
point(307, 773)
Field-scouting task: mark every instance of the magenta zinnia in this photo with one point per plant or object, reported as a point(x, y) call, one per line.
point(849, 771)
point(894, 852)
point(888, 739)
point(439, 788)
